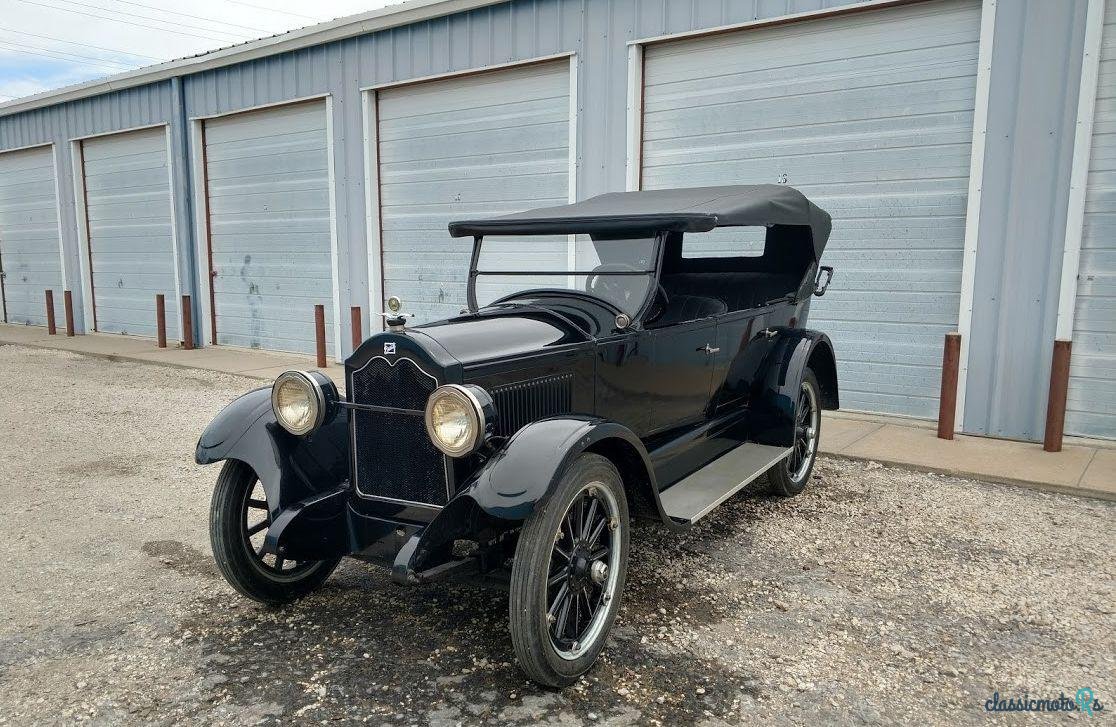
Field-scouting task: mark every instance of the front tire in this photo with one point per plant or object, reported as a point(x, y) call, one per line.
point(568, 573)
point(789, 477)
point(238, 523)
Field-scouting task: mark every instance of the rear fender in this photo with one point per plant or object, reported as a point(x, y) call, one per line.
point(290, 468)
point(775, 390)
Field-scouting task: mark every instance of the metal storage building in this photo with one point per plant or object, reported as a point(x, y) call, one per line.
point(964, 148)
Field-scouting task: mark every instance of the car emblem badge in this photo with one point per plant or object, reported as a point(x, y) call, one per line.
point(389, 347)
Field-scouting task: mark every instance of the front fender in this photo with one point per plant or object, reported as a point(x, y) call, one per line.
point(290, 468)
point(526, 470)
point(775, 390)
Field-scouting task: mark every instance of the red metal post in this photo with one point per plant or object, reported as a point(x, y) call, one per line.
point(161, 319)
point(947, 401)
point(319, 334)
point(187, 324)
point(1056, 401)
point(68, 301)
point(358, 329)
point(51, 329)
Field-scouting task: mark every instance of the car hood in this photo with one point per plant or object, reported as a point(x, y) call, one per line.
point(478, 338)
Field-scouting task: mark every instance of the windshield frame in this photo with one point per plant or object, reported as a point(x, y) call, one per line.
point(636, 315)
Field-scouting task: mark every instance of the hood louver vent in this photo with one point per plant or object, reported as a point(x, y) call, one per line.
point(521, 403)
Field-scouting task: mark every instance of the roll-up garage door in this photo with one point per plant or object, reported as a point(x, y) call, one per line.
point(1091, 404)
point(269, 224)
point(870, 115)
point(485, 144)
point(130, 223)
point(29, 246)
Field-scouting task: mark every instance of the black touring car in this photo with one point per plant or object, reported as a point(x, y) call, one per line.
point(635, 354)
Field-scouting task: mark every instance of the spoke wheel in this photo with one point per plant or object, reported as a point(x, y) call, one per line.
point(256, 519)
point(584, 564)
point(239, 519)
point(568, 573)
point(806, 425)
point(789, 477)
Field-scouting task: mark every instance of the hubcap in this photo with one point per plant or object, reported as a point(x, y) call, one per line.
point(583, 567)
point(806, 421)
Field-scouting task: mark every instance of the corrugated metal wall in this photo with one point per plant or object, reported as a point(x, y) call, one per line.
point(873, 120)
point(1091, 408)
point(1037, 52)
point(1032, 109)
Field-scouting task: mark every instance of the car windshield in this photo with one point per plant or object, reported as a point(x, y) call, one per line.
point(617, 271)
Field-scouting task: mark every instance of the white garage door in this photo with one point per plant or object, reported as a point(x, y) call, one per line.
point(486, 144)
point(269, 223)
point(131, 240)
point(1091, 405)
point(29, 245)
point(870, 115)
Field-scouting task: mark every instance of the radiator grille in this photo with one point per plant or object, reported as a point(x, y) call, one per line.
point(393, 456)
point(524, 402)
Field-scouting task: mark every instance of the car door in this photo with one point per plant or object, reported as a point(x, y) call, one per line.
point(681, 372)
point(745, 339)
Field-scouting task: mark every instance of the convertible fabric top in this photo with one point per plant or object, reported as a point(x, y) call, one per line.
point(694, 209)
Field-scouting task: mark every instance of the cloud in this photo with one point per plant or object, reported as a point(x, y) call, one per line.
point(49, 44)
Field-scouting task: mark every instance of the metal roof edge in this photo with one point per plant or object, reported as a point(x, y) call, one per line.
point(412, 11)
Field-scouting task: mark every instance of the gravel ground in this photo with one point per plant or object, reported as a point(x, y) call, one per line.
point(878, 596)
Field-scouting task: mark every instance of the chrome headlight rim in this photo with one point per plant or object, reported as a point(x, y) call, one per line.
point(478, 423)
point(316, 397)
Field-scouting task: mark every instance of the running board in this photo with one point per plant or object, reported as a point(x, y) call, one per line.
point(694, 497)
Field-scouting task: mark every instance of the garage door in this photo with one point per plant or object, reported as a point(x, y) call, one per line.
point(486, 144)
point(269, 222)
point(29, 245)
point(870, 115)
point(131, 240)
point(1091, 405)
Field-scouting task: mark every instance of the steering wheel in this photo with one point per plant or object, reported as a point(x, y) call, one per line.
point(657, 309)
point(600, 284)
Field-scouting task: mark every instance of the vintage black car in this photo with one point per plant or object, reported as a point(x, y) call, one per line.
point(635, 354)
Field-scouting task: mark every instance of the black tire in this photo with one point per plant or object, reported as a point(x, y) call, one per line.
point(557, 660)
point(789, 477)
point(275, 582)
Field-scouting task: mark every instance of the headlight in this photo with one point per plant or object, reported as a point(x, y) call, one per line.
point(298, 402)
point(456, 419)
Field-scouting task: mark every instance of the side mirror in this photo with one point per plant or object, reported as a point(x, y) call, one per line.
point(819, 286)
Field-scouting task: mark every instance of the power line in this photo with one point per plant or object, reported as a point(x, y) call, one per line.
point(188, 15)
point(82, 45)
point(74, 56)
point(148, 17)
point(107, 66)
point(127, 22)
point(274, 10)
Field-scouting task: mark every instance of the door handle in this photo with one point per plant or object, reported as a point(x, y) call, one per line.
point(709, 349)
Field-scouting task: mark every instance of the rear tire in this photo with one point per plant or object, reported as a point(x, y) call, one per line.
point(238, 522)
point(789, 477)
point(568, 573)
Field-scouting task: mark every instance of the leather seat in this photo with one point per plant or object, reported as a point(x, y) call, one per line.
point(735, 291)
point(684, 308)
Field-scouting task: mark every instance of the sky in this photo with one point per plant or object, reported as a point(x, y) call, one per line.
point(47, 44)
